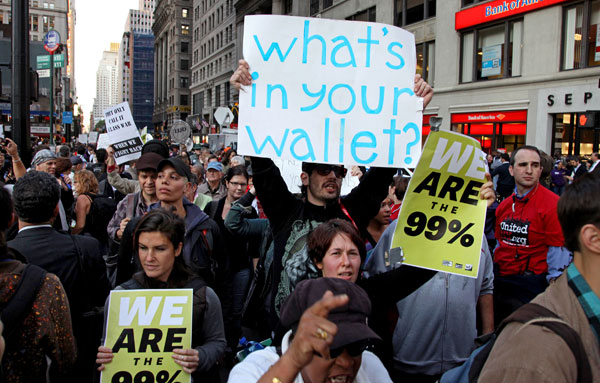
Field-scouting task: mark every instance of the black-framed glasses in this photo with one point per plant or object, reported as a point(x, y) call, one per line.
point(324, 170)
point(354, 349)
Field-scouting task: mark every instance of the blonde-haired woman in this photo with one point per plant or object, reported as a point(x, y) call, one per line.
point(85, 186)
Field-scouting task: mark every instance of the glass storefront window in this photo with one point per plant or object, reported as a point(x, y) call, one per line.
point(581, 37)
point(496, 135)
point(569, 139)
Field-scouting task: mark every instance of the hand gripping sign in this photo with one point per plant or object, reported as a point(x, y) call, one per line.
point(122, 133)
point(143, 329)
point(330, 91)
point(440, 226)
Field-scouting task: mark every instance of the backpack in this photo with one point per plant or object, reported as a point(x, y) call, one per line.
point(20, 304)
point(470, 370)
point(101, 212)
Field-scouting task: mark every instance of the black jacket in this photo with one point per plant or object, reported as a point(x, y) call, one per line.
point(292, 219)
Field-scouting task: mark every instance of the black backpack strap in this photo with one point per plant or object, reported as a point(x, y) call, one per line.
point(534, 314)
point(19, 305)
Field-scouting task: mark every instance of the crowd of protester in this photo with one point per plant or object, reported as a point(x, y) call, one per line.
point(308, 271)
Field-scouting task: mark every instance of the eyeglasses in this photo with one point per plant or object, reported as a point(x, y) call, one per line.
point(238, 185)
point(324, 170)
point(354, 349)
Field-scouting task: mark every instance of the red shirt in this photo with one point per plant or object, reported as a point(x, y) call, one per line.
point(525, 229)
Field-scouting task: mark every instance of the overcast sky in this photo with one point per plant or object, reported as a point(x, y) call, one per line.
point(98, 24)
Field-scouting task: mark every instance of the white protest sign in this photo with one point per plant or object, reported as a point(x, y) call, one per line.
point(93, 137)
point(290, 172)
point(83, 138)
point(330, 91)
point(122, 133)
point(103, 141)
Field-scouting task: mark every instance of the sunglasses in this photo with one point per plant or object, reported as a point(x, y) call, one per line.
point(354, 349)
point(324, 170)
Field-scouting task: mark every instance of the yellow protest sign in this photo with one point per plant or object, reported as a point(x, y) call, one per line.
point(440, 225)
point(143, 329)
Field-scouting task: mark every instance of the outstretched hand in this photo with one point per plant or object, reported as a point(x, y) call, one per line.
point(241, 76)
point(315, 333)
point(423, 89)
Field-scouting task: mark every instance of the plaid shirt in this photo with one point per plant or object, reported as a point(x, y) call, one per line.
point(122, 212)
point(586, 297)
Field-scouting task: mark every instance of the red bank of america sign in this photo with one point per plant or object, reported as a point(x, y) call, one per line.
point(498, 9)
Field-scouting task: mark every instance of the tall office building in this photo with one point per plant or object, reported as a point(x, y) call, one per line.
point(138, 21)
point(107, 92)
point(213, 56)
point(172, 42)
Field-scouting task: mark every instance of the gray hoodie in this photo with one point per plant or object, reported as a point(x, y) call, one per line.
point(437, 323)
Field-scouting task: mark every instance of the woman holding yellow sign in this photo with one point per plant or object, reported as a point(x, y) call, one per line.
point(158, 239)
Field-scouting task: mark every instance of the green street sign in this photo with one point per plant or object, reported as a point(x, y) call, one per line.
point(43, 62)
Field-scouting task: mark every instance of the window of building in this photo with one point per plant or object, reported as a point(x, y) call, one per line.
point(492, 52)
point(45, 5)
point(470, 2)
point(581, 43)
point(366, 15)
point(185, 47)
point(184, 12)
point(184, 99)
point(217, 95)
point(413, 11)
point(198, 103)
point(185, 29)
point(426, 60)
point(287, 7)
point(209, 97)
point(184, 64)
point(227, 92)
point(34, 23)
point(184, 81)
point(570, 139)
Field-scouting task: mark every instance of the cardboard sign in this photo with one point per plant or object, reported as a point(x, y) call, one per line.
point(103, 141)
point(440, 226)
point(330, 91)
point(82, 138)
point(144, 326)
point(122, 133)
point(93, 137)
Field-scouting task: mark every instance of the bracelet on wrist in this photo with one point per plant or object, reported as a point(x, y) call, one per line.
point(17, 160)
point(276, 380)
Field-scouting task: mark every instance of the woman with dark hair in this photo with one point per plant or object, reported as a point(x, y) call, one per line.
point(33, 337)
point(238, 266)
point(158, 240)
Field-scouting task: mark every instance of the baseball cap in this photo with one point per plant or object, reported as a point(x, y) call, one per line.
point(148, 161)
point(76, 160)
point(156, 146)
point(215, 166)
point(180, 167)
point(351, 319)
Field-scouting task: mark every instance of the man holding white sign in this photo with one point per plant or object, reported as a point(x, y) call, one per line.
point(262, 135)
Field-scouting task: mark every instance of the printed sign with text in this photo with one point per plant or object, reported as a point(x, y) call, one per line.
point(330, 91)
point(122, 133)
point(440, 226)
point(143, 329)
